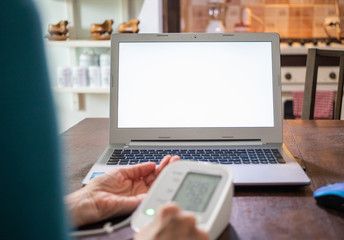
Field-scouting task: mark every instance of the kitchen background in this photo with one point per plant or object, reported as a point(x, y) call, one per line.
point(303, 19)
point(290, 18)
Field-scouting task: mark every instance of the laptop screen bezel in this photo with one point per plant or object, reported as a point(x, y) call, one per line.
point(263, 134)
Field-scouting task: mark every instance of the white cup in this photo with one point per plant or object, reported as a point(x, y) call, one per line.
point(105, 76)
point(88, 59)
point(104, 59)
point(64, 77)
point(79, 77)
point(94, 76)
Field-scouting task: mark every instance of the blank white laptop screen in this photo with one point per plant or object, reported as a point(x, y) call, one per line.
point(195, 84)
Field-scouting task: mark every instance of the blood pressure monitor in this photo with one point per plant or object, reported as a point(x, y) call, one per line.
point(204, 189)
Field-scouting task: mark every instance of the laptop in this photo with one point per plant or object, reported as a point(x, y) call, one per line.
point(212, 98)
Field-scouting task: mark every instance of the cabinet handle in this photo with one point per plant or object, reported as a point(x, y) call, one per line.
point(288, 76)
point(333, 76)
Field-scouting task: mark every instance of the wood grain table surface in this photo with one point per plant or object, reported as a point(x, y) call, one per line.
point(275, 212)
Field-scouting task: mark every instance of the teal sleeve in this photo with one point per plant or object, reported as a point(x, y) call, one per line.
point(31, 178)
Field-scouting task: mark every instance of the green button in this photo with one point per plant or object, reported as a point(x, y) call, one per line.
point(150, 212)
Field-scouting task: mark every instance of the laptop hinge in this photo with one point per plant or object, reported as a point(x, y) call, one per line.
point(197, 143)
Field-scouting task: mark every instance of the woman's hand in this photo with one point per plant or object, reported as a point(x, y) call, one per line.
point(117, 192)
point(171, 223)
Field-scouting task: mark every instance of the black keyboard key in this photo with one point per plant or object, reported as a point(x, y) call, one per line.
point(203, 160)
point(280, 160)
point(278, 156)
point(117, 151)
point(223, 160)
point(112, 163)
point(113, 160)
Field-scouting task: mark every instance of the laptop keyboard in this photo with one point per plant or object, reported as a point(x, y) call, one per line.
point(216, 156)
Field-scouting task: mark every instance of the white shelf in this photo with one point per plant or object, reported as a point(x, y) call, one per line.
point(303, 50)
point(79, 43)
point(79, 99)
point(292, 87)
point(88, 90)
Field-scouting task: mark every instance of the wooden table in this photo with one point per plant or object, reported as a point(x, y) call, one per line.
point(257, 212)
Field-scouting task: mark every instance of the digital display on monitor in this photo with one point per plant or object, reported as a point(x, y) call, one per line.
point(196, 191)
point(195, 84)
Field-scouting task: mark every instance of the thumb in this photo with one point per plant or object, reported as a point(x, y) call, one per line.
point(138, 171)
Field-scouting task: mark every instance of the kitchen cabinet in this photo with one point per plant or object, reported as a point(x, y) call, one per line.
point(75, 104)
point(293, 69)
point(80, 14)
point(74, 53)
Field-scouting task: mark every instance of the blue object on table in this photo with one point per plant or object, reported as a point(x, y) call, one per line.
point(331, 196)
point(96, 174)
